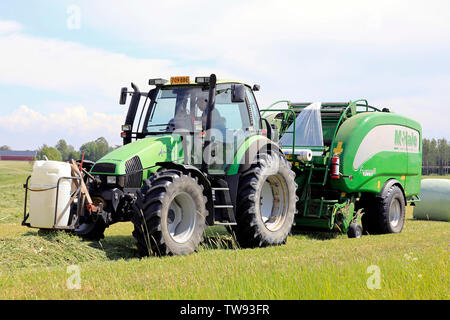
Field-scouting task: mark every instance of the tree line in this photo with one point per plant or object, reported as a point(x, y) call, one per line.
point(435, 153)
point(62, 151)
point(435, 156)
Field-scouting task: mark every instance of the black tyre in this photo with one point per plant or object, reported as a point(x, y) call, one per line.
point(93, 231)
point(171, 217)
point(367, 203)
point(265, 203)
point(385, 213)
point(355, 230)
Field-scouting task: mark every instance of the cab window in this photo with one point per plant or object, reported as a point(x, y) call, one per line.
point(253, 109)
point(229, 115)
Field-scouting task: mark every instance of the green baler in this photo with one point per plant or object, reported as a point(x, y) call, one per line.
point(364, 172)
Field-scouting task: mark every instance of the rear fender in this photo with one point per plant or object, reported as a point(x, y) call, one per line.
point(389, 183)
point(248, 152)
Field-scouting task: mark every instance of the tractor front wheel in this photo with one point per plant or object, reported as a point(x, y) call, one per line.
point(170, 220)
point(266, 202)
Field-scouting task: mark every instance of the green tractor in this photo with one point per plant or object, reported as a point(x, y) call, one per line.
point(195, 154)
point(357, 167)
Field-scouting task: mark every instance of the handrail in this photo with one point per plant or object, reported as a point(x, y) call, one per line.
point(77, 192)
point(26, 216)
point(368, 107)
point(276, 102)
point(293, 132)
point(351, 104)
point(344, 114)
point(359, 100)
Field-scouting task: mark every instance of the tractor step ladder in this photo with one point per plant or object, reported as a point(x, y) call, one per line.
point(228, 208)
point(321, 203)
point(325, 171)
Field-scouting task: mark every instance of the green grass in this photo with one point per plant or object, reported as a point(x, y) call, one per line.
point(412, 264)
point(13, 175)
point(435, 176)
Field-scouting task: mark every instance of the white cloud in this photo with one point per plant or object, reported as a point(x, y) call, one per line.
point(429, 107)
point(9, 27)
point(244, 29)
point(295, 49)
point(386, 51)
point(28, 128)
point(70, 67)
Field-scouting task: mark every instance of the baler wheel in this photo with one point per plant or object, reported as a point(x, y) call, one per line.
point(354, 230)
point(386, 213)
point(171, 218)
point(266, 202)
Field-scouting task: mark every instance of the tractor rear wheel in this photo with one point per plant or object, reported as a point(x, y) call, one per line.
point(386, 213)
point(266, 203)
point(170, 220)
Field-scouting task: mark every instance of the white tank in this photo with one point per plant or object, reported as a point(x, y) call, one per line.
point(45, 175)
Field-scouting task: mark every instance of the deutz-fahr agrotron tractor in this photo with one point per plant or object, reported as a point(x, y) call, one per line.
point(200, 153)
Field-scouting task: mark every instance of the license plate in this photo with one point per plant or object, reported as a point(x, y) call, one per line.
point(179, 80)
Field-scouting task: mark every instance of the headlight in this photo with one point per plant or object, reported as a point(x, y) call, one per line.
point(126, 127)
point(111, 179)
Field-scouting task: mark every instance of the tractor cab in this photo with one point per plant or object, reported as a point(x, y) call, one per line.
point(221, 115)
point(178, 104)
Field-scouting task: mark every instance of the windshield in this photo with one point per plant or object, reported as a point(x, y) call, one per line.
point(176, 108)
point(184, 108)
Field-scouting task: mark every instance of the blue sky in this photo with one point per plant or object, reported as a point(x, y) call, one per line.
point(57, 81)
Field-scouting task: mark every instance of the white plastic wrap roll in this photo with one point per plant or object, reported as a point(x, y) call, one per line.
point(302, 154)
point(434, 200)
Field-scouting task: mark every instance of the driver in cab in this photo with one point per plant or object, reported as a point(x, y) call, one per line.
point(218, 120)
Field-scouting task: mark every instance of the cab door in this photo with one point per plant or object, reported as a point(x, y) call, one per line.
point(231, 125)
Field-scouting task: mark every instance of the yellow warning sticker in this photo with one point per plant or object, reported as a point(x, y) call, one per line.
point(338, 149)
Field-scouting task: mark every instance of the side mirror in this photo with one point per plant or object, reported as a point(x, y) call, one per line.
point(256, 87)
point(123, 95)
point(238, 93)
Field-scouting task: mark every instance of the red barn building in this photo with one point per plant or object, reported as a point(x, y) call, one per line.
point(18, 155)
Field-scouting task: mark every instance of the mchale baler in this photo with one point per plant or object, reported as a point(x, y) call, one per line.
point(356, 166)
